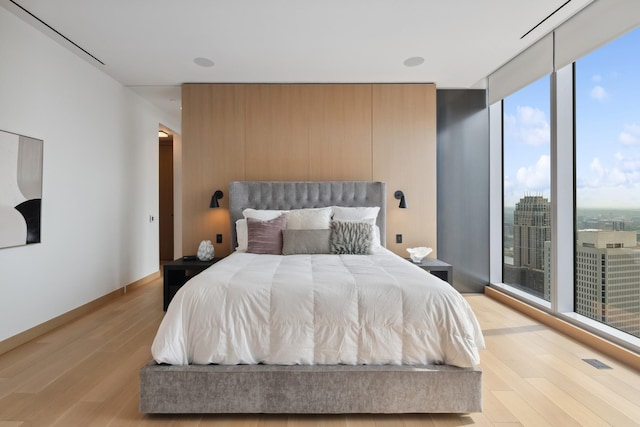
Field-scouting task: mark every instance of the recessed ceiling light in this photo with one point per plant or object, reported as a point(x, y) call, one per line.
point(414, 61)
point(203, 62)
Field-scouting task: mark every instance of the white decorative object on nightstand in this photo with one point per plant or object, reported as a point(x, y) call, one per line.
point(205, 251)
point(418, 253)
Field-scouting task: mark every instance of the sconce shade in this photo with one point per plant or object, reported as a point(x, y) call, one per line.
point(400, 196)
point(214, 199)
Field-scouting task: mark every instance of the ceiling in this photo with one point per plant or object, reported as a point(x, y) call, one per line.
point(150, 45)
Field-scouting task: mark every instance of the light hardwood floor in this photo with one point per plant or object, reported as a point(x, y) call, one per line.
point(86, 374)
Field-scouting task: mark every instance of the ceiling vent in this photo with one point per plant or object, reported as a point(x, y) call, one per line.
point(57, 33)
point(547, 17)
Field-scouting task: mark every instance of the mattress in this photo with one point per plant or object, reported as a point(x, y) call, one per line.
point(318, 309)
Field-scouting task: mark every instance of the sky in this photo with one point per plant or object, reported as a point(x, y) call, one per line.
point(607, 130)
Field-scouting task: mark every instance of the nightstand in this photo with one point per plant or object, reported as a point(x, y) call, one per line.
point(436, 267)
point(176, 273)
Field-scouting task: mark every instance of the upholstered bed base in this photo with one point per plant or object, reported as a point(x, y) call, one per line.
point(316, 389)
point(273, 389)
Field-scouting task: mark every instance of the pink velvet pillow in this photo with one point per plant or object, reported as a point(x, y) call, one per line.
point(265, 237)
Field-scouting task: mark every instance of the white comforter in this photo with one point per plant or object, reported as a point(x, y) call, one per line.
point(318, 309)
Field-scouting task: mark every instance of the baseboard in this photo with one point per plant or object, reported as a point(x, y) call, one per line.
point(141, 282)
point(41, 329)
point(600, 344)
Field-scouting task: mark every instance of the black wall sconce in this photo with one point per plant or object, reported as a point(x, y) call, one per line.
point(400, 196)
point(214, 199)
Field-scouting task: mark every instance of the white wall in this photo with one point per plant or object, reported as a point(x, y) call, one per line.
point(100, 179)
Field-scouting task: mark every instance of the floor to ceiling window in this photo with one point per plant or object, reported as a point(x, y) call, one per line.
point(568, 145)
point(607, 167)
point(526, 187)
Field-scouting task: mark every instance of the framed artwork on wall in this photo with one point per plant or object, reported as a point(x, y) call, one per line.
point(20, 189)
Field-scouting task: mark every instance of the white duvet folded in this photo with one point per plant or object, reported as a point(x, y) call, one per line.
point(318, 309)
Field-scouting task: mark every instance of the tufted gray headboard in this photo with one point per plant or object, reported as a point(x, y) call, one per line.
point(306, 194)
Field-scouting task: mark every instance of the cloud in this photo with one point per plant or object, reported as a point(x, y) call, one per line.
point(616, 177)
point(630, 167)
point(596, 78)
point(530, 116)
point(618, 197)
point(507, 184)
point(536, 177)
point(601, 176)
point(627, 139)
point(599, 93)
point(532, 179)
point(630, 135)
point(529, 126)
point(597, 171)
point(625, 172)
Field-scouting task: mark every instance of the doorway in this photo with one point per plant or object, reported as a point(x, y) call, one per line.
point(165, 210)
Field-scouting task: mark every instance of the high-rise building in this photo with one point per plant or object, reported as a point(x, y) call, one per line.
point(531, 229)
point(608, 278)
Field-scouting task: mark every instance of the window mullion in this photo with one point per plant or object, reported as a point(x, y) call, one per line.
point(562, 191)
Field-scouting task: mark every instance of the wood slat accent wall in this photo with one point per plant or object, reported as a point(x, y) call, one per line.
point(213, 153)
point(294, 132)
point(277, 132)
point(340, 133)
point(404, 156)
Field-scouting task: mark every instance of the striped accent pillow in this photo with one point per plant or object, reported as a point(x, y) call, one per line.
point(265, 237)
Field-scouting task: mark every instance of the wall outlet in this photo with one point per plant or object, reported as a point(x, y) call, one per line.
point(218, 238)
point(398, 238)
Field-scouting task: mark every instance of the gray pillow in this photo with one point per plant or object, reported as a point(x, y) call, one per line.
point(305, 242)
point(265, 237)
point(351, 237)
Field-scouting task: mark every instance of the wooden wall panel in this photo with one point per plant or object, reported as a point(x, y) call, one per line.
point(340, 132)
point(213, 154)
point(404, 155)
point(297, 132)
point(277, 133)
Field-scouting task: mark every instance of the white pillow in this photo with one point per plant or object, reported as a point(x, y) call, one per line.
point(360, 213)
point(242, 235)
point(262, 214)
point(309, 219)
point(376, 237)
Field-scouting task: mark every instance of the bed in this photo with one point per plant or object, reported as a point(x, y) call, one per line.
point(328, 346)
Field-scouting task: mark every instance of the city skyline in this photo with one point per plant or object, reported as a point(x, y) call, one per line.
point(527, 245)
point(607, 278)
